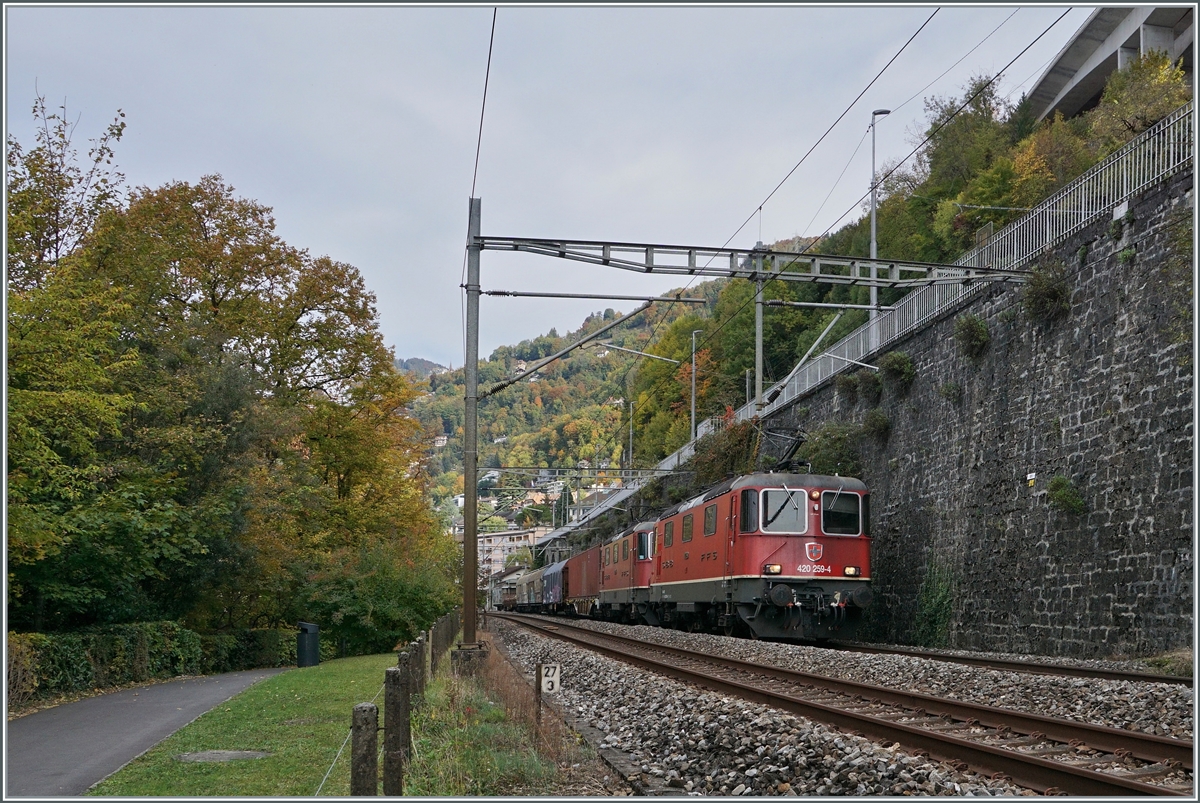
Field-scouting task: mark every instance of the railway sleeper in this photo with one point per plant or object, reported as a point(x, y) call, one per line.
point(1149, 771)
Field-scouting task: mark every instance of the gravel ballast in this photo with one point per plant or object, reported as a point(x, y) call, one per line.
point(1159, 708)
point(703, 743)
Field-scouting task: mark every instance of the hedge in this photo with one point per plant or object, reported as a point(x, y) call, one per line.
point(42, 664)
point(250, 649)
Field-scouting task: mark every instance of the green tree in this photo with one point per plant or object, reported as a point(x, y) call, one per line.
point(1137, 97)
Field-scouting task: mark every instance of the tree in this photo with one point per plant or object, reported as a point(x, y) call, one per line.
point(52, 199)
point(1137, 97)
point(519, 557)
point(204, 422)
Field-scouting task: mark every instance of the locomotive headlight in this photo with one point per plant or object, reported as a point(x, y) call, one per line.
point(814, 495)
point(852, 571)
point(772, 568)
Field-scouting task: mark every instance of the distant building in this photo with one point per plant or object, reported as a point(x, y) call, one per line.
point(1108, 40)
point(494, 548)
point(440, 441)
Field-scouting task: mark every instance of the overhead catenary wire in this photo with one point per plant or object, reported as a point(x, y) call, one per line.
point(857, 147)
point(758, 208)
point(930, 136)
point(955, 64)
point(937, 129)
point(709, 336)
point(487, 75)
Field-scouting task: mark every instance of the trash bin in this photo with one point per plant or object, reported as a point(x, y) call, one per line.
point(308, 645)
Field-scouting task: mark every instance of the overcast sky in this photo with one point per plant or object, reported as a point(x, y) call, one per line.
point(358, 126)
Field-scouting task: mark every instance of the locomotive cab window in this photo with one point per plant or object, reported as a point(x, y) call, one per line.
point(687, 527)
point(840, 513)
point(785, 510)
point(710, 520)
point(644, 545)
point(749, 518)
point(668, 533)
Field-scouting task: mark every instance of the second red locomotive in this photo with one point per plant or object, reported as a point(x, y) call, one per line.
point(769, 555)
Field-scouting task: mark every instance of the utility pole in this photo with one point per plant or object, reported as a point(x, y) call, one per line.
point(470, 435)
point(694, 333)
point(758, 329)
point(874, 313)
point(630, 464)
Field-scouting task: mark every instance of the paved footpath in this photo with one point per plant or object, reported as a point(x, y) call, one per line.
point(68, 748)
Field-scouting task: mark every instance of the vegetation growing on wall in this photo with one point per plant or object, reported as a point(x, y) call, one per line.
point(833, 449)
point(951, 392)
point(898, 371)
point(1047, 295)
point(877, 424)
point(847, 385)
point(730, 452)
point(935, 608)
point(971, 335)
point(1063, 496)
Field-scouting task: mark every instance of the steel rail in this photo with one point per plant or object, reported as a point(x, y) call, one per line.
point(1035, 667)
point(1146, 746)
point(1026, 770)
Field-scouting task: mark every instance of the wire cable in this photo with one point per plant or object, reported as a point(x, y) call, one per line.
point(758, 208)
point(937, 129)
point(331, 766)
point(839, 179)
point(955, 64)
point(710, 336)
point(483, 107)
point(474, 176)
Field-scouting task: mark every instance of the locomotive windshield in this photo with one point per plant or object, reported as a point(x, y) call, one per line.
point(783, 510)
point(840, 514)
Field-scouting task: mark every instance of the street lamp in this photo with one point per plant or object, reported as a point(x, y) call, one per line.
point(694, 333)
point(874, 186)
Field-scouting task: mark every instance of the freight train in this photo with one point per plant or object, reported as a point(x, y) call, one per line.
point(768, 555)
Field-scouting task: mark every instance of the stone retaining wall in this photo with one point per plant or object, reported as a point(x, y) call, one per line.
point(967, 552)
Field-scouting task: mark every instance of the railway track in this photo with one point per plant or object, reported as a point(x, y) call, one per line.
point(1033, 667)
point(1040, 753)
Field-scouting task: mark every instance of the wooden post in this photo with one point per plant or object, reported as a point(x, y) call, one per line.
point(397, 727)
point(537, 695)
point(421, 664)
point(364, 767)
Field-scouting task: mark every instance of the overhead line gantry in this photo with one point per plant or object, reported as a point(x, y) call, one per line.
point(758, 264)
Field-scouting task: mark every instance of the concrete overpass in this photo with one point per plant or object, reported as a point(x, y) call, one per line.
point(1107, 41)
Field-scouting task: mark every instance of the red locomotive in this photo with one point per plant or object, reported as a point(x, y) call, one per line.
point(769, 555)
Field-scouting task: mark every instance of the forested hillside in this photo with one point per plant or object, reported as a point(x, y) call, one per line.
point(203, 421)
point(986, 162)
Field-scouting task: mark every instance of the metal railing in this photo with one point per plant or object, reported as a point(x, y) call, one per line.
point(1151, 157)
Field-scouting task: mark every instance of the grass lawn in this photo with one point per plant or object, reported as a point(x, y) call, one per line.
point(301, 717)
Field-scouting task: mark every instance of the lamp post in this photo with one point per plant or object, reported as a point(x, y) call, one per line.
point(874, 186)
point(694, 333)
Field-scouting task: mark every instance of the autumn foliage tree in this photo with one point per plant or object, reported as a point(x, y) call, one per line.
point(204, 422)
